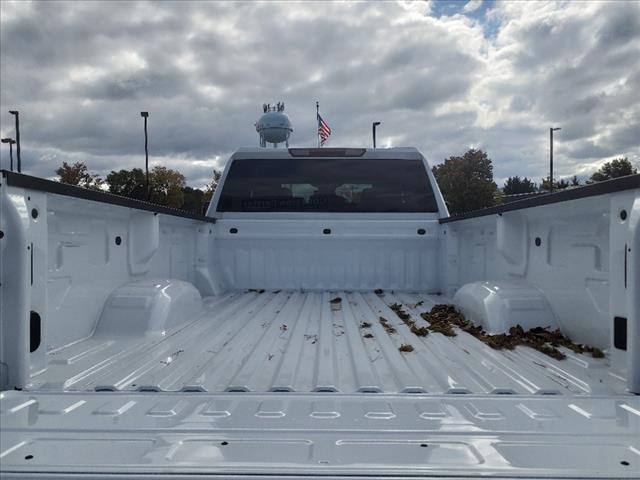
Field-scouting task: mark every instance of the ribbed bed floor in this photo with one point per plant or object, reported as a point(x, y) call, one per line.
point(294, 341)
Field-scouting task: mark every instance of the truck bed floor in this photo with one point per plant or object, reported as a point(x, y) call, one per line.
point(292, 341)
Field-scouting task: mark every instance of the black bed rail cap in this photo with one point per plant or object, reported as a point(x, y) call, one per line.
point(628, 182)
point(42, 184)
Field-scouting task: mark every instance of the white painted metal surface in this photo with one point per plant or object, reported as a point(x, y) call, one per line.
point(581, 254)
point(148, 307)
point(293, 341)
point(321, 434)
point(293, 385)
point(359, 254)
point(498, 306)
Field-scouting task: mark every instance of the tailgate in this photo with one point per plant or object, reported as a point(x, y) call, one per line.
point(287, 434)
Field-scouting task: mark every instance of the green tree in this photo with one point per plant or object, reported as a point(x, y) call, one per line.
point(193, 200)
point(196, 200)
point(516, 185)
point(78, 174)
point(557, 185)
point(128, 183)
point(466, 182)
point(614, 169)
point(211, 186)
point(166, 186)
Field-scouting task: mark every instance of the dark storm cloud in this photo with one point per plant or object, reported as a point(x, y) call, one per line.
point(622, 27)
point(80, 73)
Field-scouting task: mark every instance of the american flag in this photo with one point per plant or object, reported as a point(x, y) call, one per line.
point(323, 130)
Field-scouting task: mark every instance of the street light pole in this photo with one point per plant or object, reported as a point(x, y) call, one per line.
point(551, 130)
point(373, 128)
point(145, 115)
point(17, 115)
point(10, 141)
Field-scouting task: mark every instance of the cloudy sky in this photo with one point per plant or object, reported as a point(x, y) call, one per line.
point(440, 75)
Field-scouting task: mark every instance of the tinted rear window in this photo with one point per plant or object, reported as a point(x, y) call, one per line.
point(327, 185)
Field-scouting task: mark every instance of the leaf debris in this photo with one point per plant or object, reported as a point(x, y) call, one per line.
point(314, 338)
point(397, 308)
point(408, 321)
point(387, 326)
point(442, 318)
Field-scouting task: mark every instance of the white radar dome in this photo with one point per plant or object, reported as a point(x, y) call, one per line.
point(274, 126)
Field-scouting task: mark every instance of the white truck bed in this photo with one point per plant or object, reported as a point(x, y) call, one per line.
point(138, 341)
point(234, 392)
point(279, 435)
point(277, 383)
point(292, 341)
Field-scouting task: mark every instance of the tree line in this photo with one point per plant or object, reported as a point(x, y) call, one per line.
point(466, 183)
point(166, 186)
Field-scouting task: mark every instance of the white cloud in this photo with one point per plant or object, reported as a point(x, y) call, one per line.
point(472, 6)
point(80, 73)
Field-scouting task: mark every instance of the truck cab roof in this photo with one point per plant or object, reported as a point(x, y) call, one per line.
point(333, 152)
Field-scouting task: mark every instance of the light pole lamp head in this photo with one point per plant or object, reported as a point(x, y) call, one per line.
point(556, 129)
point(10, 141)
point(376, 123)
point(13, 112)
point(144, 114)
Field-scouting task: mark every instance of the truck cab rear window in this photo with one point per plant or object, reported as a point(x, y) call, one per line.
point(327, 185)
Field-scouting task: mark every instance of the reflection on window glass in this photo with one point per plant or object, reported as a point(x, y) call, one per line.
point(300, 190)
point(327, 185)
point(352, 192)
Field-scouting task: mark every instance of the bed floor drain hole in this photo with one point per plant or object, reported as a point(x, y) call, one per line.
point(224, 443)
point(424, 445)
point(625, 463)
point(28, 457)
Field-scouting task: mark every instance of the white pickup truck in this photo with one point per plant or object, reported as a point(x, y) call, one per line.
point(302, 328)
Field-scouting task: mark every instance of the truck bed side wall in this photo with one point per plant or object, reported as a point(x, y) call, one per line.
point(573, 251)
point(63, 256)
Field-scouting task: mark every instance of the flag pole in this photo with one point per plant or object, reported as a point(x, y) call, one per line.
point(318, 122)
